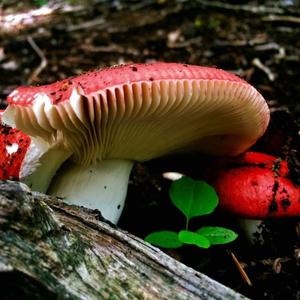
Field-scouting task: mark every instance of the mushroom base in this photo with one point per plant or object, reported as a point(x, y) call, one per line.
point(102, 186)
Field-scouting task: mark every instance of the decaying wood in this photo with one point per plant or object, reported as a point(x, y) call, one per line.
point(51, 250)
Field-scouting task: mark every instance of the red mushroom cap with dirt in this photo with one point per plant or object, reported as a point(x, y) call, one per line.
point(13, 147)
point(257, 186)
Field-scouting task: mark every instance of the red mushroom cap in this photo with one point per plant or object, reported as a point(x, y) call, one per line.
point(13, 147)
point(97, 80)
point(256, 186)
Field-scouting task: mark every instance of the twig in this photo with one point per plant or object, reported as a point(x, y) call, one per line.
point(267, 46)
point(273, 46)
point(257, 63)
point(109, 49)
point(86, 25)
point(274, 18)
point(255, 9)
point(241, 43)
point(43, 62)
point(241, 269)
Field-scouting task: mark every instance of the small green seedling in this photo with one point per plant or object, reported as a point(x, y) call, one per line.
point(194, 198)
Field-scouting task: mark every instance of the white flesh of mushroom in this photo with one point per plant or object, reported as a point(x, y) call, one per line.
point(40, 164)
point(101, 186)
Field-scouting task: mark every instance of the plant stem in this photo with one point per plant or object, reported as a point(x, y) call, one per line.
point(187, 223)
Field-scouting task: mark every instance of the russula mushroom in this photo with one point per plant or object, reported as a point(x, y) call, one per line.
point(103, 121)
point(254, 187)
point(13, 147)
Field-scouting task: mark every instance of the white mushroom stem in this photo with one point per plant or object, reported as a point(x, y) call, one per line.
point(40, 165)
point(101, 186)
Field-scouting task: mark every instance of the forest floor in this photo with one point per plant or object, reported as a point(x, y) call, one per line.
point(45, 41)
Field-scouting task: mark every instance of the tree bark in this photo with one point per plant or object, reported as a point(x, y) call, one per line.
point(51, 250)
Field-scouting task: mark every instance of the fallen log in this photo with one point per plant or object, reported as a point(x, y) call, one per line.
point(50, 250)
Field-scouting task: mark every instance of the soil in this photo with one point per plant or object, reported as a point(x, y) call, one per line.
point(257, 40)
